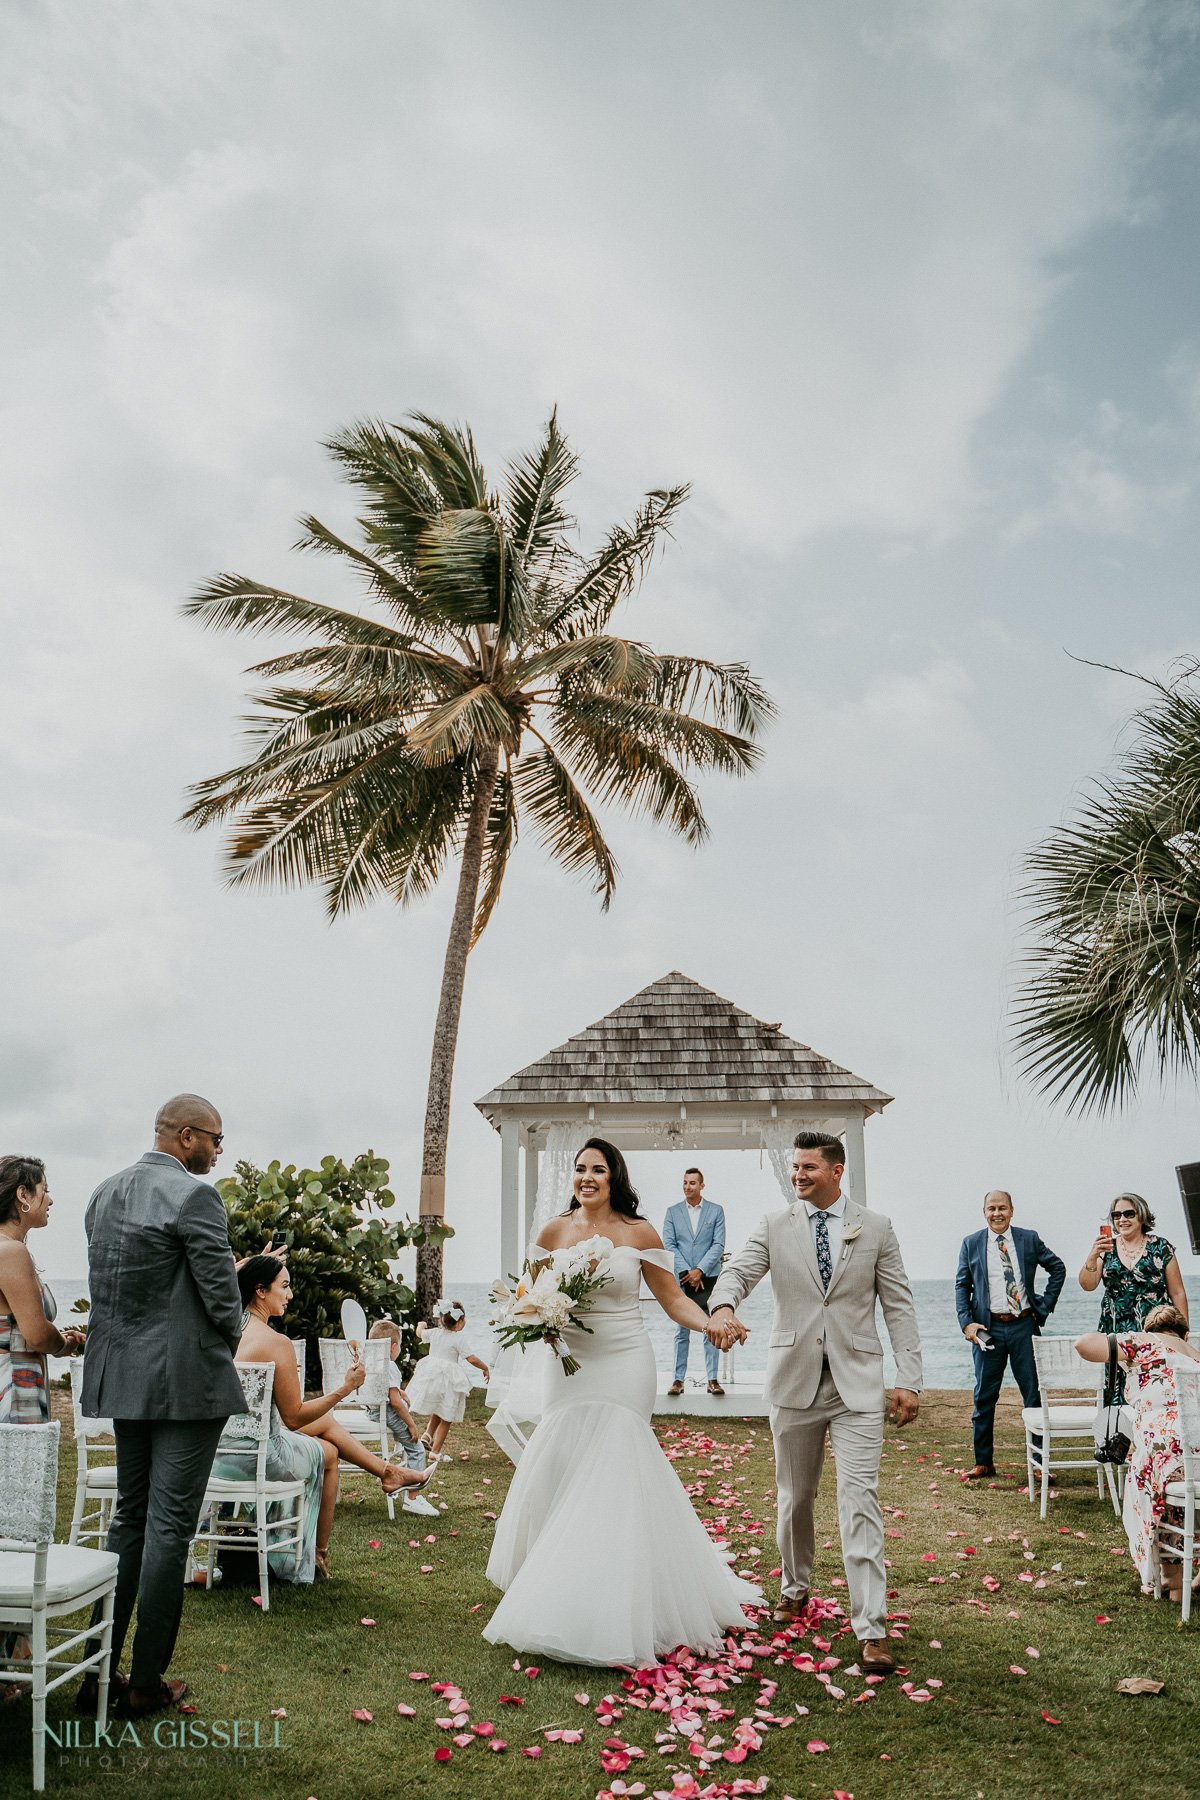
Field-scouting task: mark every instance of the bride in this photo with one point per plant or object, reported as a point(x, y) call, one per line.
point(598, 1552)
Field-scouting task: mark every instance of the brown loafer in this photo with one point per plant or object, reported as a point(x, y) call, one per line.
point(714, 1387)
point(676, 1387)
point(140, 1702)
point(875, 1656)
point(981, 1472)
point(789, 1609)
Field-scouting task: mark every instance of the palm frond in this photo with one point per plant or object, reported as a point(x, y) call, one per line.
point(616, 569)
point(611, 721)
point(564, 822)
point(453, 728)
point(629, 771)
point(601, 663)
point(395, 588)
point(235, 603)
point(459, 564)
point(534, 486)
point(726, 692)
point(501, 842)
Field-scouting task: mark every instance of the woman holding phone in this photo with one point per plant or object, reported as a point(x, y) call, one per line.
point(1139, 1269)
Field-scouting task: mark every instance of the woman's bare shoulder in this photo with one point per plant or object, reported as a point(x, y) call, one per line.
point(553, 1234)
point(643, 1236)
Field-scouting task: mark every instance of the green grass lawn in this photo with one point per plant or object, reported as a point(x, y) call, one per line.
point(981, 1734)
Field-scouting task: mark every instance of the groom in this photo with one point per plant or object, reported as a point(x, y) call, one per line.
point(829, 1261)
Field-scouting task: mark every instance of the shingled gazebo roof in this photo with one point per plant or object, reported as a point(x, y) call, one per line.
point(677, 1043)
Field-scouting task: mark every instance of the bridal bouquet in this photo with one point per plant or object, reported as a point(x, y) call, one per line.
point(551, 1294)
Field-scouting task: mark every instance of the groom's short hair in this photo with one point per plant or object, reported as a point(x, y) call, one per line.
point(695, 1171)
point(831, 1148)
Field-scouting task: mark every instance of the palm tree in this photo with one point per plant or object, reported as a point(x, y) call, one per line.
point(482, 689)
point(1115, 896)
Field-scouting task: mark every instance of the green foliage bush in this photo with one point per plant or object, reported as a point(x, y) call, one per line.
point(339, 1246)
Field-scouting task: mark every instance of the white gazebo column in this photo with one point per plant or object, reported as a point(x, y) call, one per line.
point(856, 1159)
point(531, 1188)
point(510, 1224)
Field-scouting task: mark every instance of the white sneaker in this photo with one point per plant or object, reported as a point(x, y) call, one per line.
point(417, 1503)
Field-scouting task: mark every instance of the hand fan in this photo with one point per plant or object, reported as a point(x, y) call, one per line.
point(354, 1322)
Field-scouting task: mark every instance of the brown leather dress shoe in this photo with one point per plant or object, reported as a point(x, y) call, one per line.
point(676, 1387)
point(714, 1387)
point(981, 1472)
point(140, 1702)
point(875, 1657)
point(789, 1609)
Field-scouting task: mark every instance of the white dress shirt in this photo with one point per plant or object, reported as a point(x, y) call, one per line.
point(998, 1298)
point(835, 1218)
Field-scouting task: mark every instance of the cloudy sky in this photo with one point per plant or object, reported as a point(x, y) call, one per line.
point(907, 293)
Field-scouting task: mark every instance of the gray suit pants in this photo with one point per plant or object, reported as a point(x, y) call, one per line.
point(857, 1440)
point(163, 1467)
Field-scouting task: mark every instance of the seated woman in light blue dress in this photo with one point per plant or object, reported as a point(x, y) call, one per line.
point(306, 1443)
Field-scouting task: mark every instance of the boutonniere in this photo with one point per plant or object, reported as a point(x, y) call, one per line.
point(848, 1237)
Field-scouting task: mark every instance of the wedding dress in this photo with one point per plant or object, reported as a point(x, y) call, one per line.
point(598, 1551)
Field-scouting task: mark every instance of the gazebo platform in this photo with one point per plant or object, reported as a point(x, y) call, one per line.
point(741, 1400)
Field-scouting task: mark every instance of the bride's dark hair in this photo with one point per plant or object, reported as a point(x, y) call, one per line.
point(622, 1195)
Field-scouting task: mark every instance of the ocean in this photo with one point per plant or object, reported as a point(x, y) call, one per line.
point(947, 1355)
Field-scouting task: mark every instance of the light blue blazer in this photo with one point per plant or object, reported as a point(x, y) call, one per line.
point(699, 1248)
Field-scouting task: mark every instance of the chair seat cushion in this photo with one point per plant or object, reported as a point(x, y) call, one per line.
point(104, 1476)
point(359, 1424)
point(70, 1570)
point(1062, 1418)
point(220, 1489)
point(1176, 1492)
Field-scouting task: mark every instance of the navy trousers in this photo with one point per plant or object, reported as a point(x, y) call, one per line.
point(1010, 1344)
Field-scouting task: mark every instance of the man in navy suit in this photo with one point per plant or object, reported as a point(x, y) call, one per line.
point(994, 1291)
point(694, 1231)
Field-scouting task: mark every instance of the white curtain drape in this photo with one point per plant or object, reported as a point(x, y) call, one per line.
point(515, 1390)
point(777, 1135)
point(555, 1171)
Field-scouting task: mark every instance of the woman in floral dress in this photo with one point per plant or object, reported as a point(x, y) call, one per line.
point(1139, 1269)
point(1156, 1455)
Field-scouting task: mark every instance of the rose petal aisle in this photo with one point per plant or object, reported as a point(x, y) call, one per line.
point(1011, 1636)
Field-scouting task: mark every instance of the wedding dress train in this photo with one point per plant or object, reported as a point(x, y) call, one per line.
point(598, 1550)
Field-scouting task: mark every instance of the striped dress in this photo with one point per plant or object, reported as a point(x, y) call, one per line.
point(23, 1397)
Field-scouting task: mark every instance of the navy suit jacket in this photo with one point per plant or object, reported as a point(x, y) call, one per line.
point(971, 1287)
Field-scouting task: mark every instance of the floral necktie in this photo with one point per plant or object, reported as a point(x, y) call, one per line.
point(1010, 1280)
point(824, 1260)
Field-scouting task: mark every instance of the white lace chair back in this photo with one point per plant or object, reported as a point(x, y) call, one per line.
point(257, 1380)
point(1059, 1365)
point(85, 1428)
point(1187, 1388)
point(335, 1360)
point(300, 1346)
point(28, 1482)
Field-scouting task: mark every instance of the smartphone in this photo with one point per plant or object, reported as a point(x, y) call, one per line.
point(985, 1340)
point(277, 1242)
point(1106, 1229)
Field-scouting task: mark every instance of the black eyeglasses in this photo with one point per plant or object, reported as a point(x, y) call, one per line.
point(1123, 1215)
point(218, 1137)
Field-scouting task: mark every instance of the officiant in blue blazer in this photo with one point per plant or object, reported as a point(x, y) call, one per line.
point(694, 1231)
point(994, 1293)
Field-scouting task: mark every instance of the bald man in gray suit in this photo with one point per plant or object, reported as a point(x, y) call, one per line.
point(165, 1320)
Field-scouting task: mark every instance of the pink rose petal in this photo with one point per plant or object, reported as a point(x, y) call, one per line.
point(444, 1754)
point(361, 1713)
point(406, 1712)
point(366, 1621)
point(815, 1746)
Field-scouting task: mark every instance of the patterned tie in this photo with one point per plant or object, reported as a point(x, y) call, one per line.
point(824, 1260)
point(1010, 1280)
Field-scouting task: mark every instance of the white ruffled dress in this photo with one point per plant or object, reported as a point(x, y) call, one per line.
point(598, 1550)
point(439, 1382)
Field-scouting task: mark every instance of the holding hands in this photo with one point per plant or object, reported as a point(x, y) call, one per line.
point(726, 1330)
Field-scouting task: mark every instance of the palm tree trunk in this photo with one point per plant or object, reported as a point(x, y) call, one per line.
point(445, 1032)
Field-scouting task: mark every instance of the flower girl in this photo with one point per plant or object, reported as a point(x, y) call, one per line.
point(440, 1384)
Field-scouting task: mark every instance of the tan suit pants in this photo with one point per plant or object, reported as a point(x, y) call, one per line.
point(857, 1440)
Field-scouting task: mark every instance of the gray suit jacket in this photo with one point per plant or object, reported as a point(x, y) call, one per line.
point(166, 1313)
point(811, 1325)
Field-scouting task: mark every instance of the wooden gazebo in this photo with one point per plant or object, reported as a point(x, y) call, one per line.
point(674, 1068)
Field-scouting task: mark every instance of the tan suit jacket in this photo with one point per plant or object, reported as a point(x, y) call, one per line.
point(811, 1325)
